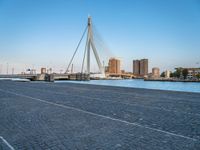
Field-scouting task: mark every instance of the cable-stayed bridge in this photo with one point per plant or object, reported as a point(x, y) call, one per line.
point(90, 46)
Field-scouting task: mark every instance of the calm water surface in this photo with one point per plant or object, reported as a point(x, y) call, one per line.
point(139, 83)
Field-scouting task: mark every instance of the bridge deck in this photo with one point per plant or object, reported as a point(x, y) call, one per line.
point(74, 116)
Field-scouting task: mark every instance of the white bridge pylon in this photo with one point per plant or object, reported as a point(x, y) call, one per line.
point(90, 45)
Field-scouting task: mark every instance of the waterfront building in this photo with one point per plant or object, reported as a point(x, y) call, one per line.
point(114, 66)
point(140, 67)
point(192, 72)
point(43, 70)
point(167, 74)
point(155, 72)
point(144, 67)
point(136, 67)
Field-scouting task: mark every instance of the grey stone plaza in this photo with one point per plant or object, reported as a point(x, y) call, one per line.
point(40, 116)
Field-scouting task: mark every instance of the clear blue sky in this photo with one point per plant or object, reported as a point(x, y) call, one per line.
point(44, 33)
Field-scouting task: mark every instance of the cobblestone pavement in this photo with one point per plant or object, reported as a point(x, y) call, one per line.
point(63, 116)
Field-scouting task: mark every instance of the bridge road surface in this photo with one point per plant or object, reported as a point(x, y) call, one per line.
point(62, 116)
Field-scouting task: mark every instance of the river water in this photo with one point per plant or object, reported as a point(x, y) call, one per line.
point(140, 83)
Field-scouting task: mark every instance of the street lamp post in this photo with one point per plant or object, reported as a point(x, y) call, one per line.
point(7, 69)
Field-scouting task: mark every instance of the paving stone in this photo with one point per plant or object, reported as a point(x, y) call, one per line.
point(77, 116)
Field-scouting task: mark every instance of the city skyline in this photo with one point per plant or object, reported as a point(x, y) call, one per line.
point(35, 34)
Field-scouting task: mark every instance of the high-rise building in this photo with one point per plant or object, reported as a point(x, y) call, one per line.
point(136, 67)
point(156, 72)
point(143, 67)
point(114, 66)
point(140, 67)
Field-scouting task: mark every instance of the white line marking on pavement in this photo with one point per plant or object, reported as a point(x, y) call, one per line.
point(6, 143)
point(102, 116)
point(118, 102)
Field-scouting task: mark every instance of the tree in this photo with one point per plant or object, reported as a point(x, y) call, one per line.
point(185, 73)
point(198, 76)
point(171, 75)
point(162, 74)
point(177, 73)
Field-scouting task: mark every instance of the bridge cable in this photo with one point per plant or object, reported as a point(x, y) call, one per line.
point(104, 50)
point(77, 48)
